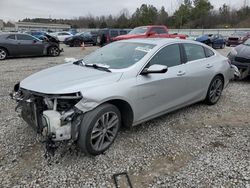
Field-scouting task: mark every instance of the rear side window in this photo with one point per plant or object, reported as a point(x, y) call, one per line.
point(158, 30)
point(194, 52)
point(169, 56)
point(24, 37)
point(13, 37)
point(208, 52)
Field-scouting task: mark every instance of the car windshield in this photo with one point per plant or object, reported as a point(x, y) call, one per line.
point(138, 30)
point(35, 38)
point(247, 42)
point(80, 33)
point(118, 55)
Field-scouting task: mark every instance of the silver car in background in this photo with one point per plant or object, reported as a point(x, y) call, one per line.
point(122, 84)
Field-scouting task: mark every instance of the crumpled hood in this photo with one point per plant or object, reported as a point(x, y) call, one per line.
point(67, 78)
point(243, 51)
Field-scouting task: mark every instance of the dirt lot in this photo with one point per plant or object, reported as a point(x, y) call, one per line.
point(198, 146)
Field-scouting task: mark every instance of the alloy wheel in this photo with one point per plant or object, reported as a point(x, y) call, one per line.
point(104, 131)
point(3, 54)
point(54, 51)
point(216, 90)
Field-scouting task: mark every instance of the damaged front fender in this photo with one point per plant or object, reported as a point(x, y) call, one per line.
point(86, 105)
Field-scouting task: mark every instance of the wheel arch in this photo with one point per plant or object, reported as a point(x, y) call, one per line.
point(8, 53)
point(127, 114)
point(50, 46)
point(222, 76)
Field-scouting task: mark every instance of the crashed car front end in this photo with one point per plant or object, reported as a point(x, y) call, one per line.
point(53, 116)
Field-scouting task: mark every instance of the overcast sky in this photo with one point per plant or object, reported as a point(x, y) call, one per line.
point(15, 10)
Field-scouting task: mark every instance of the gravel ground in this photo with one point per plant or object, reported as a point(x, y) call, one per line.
point(198, 146)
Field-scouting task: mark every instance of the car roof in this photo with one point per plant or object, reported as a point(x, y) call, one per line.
point(160, 41)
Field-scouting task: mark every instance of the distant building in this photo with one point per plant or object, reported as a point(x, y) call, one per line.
point(1, 24)
point(28, 26)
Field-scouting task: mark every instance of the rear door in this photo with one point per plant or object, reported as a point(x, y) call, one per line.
point(28, 45)
point(198, 70)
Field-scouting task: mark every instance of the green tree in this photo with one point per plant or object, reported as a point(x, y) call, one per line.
point(162, 16)
point(145, 15)
point(200, 14)
point(183, 14)
point(201, 8)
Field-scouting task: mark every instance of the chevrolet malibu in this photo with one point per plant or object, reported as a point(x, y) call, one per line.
point(122, 84)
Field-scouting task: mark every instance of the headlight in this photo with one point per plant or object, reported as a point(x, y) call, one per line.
point(16, 87)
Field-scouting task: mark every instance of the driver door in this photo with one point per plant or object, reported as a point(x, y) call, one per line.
point(160, 92)
point(28, 45)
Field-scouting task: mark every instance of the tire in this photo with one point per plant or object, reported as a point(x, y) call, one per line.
point(95, 142)
point(223, 46)
point(77, 43)
point(54, 51)
point(214, 90)
point(3, 54)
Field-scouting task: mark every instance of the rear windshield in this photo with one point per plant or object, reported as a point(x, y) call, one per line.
point(138, 30)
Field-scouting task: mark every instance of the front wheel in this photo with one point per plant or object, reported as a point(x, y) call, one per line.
point(214, 90)
point(99, 129)
point(54, 51)
point(3, 54)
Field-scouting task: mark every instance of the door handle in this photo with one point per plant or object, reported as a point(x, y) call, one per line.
point(181, 73)
point(209, 66)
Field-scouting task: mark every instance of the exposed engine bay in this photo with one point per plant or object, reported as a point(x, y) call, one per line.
point(55, 117)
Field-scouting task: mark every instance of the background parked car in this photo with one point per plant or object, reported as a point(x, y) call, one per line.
point(79, 38)
point(213, 40)
point(37, 34)
point(17, 44)
point(105, 36)
point(240, 57)
point(73, 31)
point(61, 35)
point(149, 31)
point(238, 38)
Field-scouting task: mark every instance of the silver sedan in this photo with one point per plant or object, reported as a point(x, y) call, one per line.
point(122, 84)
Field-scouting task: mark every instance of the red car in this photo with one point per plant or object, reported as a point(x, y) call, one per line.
point(238, 38)
point(151, 31)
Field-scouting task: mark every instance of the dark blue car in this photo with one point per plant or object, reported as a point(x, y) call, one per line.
point(213, 40)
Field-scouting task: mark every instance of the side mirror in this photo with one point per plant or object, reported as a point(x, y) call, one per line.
point(151, 33)
point(34, 41)
point(155, 69)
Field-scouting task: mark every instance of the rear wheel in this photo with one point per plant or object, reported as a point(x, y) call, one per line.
point(54, 51)
point(3, 54)
point(223, 46)
point(99, 129)
point(214, 90)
